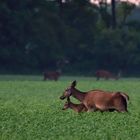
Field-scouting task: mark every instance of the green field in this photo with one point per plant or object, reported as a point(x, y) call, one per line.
point(30, 109)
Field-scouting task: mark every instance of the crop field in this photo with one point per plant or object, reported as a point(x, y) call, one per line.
point(30, 109)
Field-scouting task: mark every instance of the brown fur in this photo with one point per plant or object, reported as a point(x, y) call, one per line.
point(105, 74)
point(51, 75)
point(76, 107)
point(97, 99)
point(125, 96)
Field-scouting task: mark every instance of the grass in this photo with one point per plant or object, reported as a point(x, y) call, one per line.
point(30, 109)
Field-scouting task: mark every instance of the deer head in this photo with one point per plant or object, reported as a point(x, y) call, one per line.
point(68, 92)
point(67, 104)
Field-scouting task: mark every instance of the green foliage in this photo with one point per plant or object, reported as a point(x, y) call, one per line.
point(35, 34)
point(124, 10)
point(31, 109)
point(121, 50)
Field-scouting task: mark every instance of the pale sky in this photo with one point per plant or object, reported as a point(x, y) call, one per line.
point(137, 2)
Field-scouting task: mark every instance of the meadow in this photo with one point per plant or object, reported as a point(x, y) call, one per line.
point(30, 109)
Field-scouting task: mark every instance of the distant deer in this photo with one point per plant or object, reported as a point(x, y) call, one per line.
point(106, 75)
point(52, 75)
point(76, 107)
point(55, 74)
point(97, 99)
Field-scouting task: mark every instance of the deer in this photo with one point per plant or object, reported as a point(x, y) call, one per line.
point(97, 99)
point(106, 75)
point(76, 107)
point(55, 74)
point(52, 75)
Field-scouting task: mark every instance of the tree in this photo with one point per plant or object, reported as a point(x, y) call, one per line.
point(124, 10)
point(113, 11)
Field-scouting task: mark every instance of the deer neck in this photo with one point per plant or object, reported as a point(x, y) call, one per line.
point(78, 94)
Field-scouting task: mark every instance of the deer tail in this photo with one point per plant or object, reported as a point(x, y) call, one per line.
point(125, 96)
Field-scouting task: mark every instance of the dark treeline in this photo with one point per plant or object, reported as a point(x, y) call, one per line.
point(37, 34)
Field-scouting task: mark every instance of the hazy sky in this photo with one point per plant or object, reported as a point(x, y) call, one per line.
point(133, 1)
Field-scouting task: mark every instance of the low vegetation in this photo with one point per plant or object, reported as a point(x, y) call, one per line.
point(30, 109)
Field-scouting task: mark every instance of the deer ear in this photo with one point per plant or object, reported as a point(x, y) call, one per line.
point(73, 84)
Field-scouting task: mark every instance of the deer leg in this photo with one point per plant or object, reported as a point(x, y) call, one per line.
point(122, 110)
point(106, 78)
point(98, 78)
point(44, 78)
point(91, 109)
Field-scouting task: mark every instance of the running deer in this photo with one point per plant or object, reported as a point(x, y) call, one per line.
point(97, 99)
point(52, 75)
point(76, 107)
point(106, 75)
